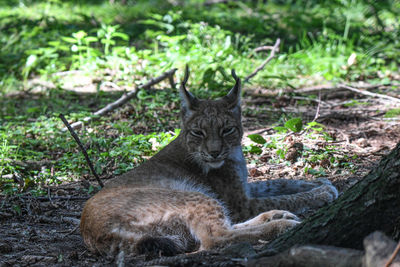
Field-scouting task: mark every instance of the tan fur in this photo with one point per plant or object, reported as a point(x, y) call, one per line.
point(178, 201)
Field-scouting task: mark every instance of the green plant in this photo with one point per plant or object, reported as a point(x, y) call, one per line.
point(6, 153)
point(392, 113)
point(80, 43)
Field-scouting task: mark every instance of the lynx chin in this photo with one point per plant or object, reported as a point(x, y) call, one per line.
point(193, 194)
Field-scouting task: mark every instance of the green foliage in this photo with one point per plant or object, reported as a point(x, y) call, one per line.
point(257, 139)
point(295, 125)
point(392, 113)
point(332, 40)
point(5, 150)
point(276, 144)
point(252, 149)
point(32, 131)
point(44, 37)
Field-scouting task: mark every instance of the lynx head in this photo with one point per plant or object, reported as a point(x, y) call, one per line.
point(211, 129)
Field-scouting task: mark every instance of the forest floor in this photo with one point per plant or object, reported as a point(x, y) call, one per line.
point(46, 232)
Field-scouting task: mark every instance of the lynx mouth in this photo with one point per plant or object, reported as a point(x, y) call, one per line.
point(215, 164)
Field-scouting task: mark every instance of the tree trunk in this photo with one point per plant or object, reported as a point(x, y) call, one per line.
point(371, 204)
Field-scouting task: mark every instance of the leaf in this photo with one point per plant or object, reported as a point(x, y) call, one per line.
point(91, 189)
point(79, 35)
point(69, 39)
point(256, 138)
point(281, 153)
point(295, 125)
point(121, 35)
point(31, 60)
point(280, 129)
point(91, 39)
point(255, 150)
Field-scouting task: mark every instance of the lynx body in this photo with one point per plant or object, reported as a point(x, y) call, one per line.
point(194, 193)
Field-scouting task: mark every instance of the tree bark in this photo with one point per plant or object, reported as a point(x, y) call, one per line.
point(312, 256)
point(371, 204)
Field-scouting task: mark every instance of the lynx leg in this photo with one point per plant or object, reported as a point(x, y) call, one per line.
point(159, 221)
point(219, 232)
point(267, 231)
point(267, 217)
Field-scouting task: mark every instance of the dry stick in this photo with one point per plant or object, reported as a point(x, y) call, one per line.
point(328, 87)
point(313, 100)
point(263, 48)
point(369, 93)
point(123, 99)
point(391, 259)
point(56, 197)
point(318, 107)
point(271, 56)
point(75, 136)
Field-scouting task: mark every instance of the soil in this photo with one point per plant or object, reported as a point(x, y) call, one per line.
point(40, 231)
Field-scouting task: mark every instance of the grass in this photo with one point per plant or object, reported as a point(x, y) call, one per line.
point(126, 45)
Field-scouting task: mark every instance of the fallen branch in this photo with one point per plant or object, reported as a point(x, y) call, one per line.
point(123, 99)
point(377, 251)
point(44, 199)
point(318, 101)
point(271, 56)
point(312, 255)
point(75, 136)
point(29, 164)
point(263, 48)
point(329, 87)
point(363, 92)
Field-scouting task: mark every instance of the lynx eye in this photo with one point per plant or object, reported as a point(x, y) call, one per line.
point(197, 133)
point(228, 131)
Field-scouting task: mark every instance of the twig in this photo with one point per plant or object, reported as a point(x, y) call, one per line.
point(213, 2)
point(391, 259)
point(271, 56)
point(75, 136)
point(56, 197)
point(49, 196)
point(369, 93)
point(318, 107)
point(110, 84)
point(318, 101)
point(123, 99)
point(172, 82)
point(29, 164)
point(350, 102)
point(71, 220)
point(71, 231)
point(263, 48)
point(259, 131)
point(68, 72)
point(329, 87)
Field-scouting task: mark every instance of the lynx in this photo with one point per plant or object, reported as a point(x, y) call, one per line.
point(193, 194)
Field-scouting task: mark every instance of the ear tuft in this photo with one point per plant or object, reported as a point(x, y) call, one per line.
point(188, 101)
point(233, 97)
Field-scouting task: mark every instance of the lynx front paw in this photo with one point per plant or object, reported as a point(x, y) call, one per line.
point(282, 214)
point(272, 229)
point(266, 217)
point(283, 225)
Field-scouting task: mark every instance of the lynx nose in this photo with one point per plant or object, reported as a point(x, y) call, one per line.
point(214, 153)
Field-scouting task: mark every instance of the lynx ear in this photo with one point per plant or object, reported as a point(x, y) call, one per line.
point(233, 97)
point(188, 101)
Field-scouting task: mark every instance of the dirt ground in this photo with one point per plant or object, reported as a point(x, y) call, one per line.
point(47, 231)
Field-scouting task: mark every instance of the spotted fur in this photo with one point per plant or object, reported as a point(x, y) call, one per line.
point(194, 194)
